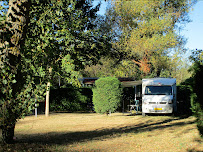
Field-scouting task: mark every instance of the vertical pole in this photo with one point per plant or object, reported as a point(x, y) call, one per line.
point(35, 108)
point(135, 93)
point(47, 93)
point(47, 100)
point(123, 106)
point(136, 104)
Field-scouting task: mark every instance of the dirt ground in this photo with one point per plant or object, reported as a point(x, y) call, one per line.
point(91, 132)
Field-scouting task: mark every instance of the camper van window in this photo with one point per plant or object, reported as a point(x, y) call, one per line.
point(158, 90)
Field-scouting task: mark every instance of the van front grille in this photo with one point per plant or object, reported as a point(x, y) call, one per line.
point(162, 102)
point(152, 102)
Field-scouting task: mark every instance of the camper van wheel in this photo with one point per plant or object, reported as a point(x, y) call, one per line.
point(143, 114)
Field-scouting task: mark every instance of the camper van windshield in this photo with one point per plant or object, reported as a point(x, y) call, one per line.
point(158, 90)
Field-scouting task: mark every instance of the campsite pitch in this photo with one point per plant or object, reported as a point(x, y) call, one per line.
point(91, 132)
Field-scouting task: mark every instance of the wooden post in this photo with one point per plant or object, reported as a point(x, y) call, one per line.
point(47, 100)
point(47, 94)
point(35, 107)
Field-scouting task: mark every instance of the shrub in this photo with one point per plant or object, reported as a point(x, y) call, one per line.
point(107, 95)
point(70, 99)
point(183, 98)
point(197, 96)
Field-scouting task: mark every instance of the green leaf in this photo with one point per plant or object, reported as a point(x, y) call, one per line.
point(4, 81)
point(14, 81)
point(10, 91)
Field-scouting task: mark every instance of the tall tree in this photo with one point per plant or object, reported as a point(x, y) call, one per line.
point(12, 40)
point(196, 84)
point(68, 38)
point(148, 30)
point(62, 38)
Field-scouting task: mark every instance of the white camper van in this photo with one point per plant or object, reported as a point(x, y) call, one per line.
point(159, 95)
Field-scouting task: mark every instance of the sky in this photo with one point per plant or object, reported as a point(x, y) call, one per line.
point(193, 31)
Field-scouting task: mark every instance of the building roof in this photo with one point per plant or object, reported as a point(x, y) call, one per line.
point(126, 82)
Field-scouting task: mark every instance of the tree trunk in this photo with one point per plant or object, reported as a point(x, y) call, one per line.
point(17, 19)
point(109, 112)
point(11, 43)
point(47, 100)
point(47, 93)
point(8, 134)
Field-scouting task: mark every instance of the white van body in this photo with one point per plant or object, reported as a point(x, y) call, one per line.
point(159, 95)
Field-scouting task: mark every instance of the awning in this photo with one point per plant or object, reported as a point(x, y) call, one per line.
point(131, 83)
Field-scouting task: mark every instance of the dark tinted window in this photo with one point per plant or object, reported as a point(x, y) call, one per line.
point(158, 90)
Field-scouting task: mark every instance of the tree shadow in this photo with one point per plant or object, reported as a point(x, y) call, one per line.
point(64, 138)
point(193, 150)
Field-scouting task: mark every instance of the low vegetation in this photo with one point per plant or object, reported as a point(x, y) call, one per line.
point(95, 132)
point(107, 95)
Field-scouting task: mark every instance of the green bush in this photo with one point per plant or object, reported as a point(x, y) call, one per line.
point(183, 98)
point(107, 95)
point(70, 99)
point(197, 94)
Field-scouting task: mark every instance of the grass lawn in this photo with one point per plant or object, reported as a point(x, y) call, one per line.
point(95, 132)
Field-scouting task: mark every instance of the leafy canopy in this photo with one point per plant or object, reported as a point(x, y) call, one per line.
point(148, 30)
point(55, 38)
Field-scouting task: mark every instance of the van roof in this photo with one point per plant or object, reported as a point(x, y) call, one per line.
point(159, 81)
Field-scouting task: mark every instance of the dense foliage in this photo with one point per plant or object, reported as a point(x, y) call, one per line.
point(149, 31)
point(144, 38)
point(16, 86)
point(107, 95)
point(62, 38)
point(183, 99)
point(190, 95)
point(196, 84)
point(71, 99)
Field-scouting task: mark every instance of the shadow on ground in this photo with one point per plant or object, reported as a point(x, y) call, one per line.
point(65, 138)
point(71, 137)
